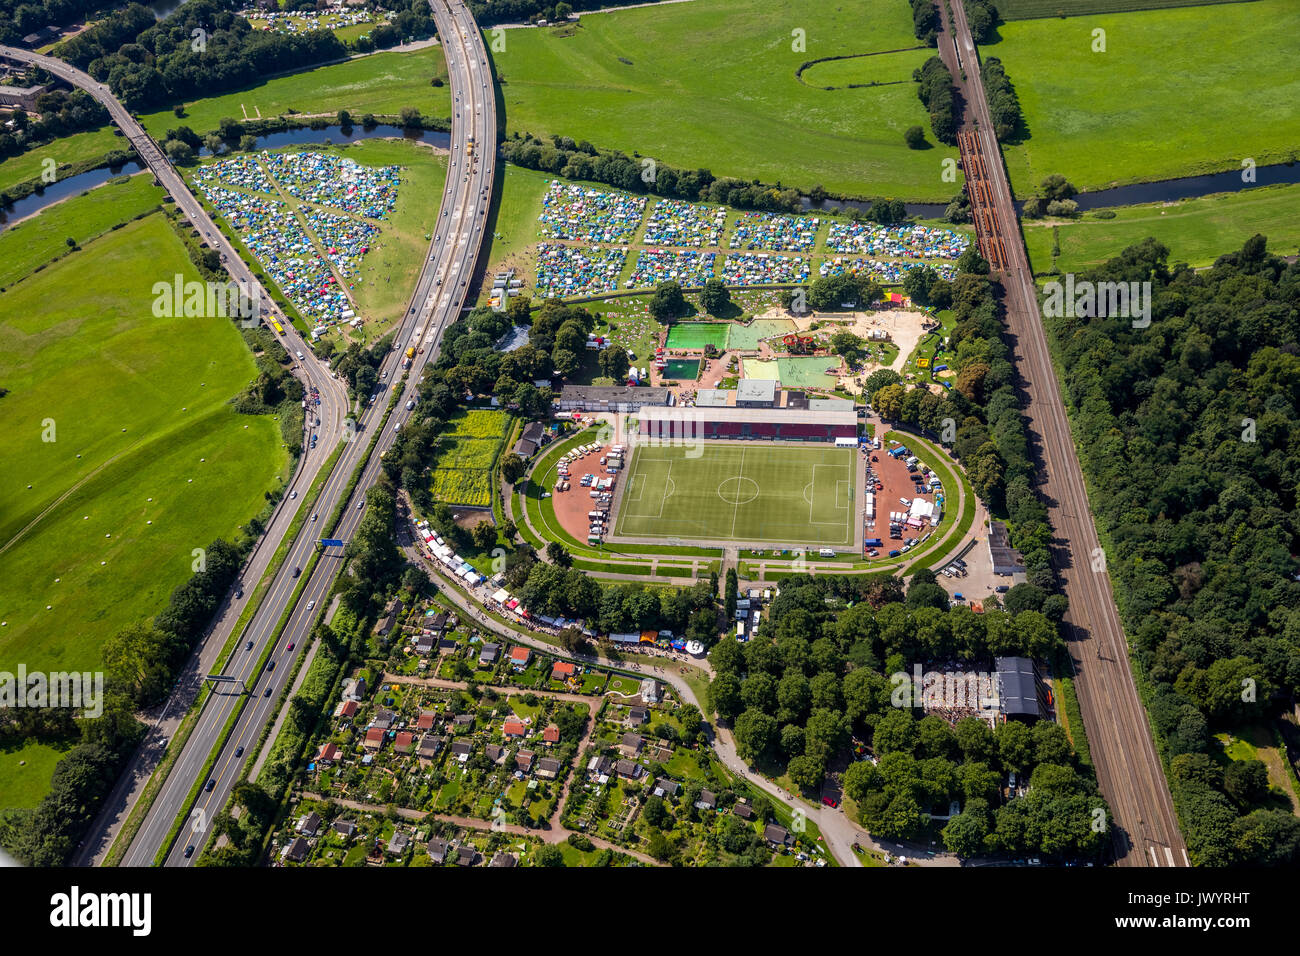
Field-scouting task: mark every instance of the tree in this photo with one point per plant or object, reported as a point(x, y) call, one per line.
point(1246, 781)
point(557, 554)
point(965, 834)
point(548, 855)
point(914, 137)
point(513, 468)
point(755, 733)
point(667, 303)
point(715, 297)
point(484, 535)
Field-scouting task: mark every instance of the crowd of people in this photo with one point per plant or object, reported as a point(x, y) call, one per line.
point(886, 272)
point(344, 239)
point(759, 268)
point(904, 241)
point(580, 213)
point(666, 265)
point(274, 235)
point(765, 230)
point(564, 271)
point(243, 172)
point(673, 222)
point(328, 179)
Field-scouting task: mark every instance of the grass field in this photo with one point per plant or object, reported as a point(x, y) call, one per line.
point(1028, 9)
point(1197, 231)
point(76, 148)
point(382, 83)
point(1122, 116)
point(148, 461)
point(625, 80)
point(44, 237)
point(752, 492)
point(24, 786)
point(462, 474)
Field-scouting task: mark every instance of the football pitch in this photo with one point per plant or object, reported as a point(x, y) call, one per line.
point(748, 492)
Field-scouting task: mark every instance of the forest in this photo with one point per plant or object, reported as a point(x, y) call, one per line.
point(1188, 435)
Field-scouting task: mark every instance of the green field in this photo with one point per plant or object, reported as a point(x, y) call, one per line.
point(43, 237)
point(382, 83)
point(77, 148)
point(753, 492)
point(626, 79)
point(462, 473)
point(1122, 116)
point(1197, 231)
point(1026, 9)
point(147, 463)
point(24, 786)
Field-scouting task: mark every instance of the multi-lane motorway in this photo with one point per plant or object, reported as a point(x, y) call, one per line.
point(439, 296)
point(1128, 770)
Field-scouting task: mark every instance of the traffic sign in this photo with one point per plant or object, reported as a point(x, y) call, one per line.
point(331, 542)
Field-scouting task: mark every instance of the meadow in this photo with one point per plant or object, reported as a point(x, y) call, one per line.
point(43, 238)
point(463, 472)
point(1028, 9)
point(1197, 231)
point(1122, 116)
point(751, 492)
point(381, 83)
point(77, 148)
point(147, 461)
point(626, 79)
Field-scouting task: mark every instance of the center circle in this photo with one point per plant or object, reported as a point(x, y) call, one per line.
point(738, 490)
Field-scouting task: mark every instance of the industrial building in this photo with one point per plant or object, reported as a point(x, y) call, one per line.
point(1006, 559)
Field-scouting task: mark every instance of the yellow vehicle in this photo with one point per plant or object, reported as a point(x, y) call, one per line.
point(279, 329)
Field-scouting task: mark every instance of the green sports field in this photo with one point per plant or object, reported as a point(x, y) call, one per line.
point(748, 493)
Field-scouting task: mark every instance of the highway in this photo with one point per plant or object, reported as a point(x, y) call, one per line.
point(438, 298)
point(331, 414)
point(1129, 772)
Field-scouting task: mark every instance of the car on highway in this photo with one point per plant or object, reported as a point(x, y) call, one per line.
point(313, 517)
point(360, 505)
point(267, 692)
point(270, 665)
point(290, 647)
point(239, 751)
point(207, 787)
point(397, 427)
point(189, 851)
point(297, 571)
point(311, 605)
point(292, 495)
point(248, 646)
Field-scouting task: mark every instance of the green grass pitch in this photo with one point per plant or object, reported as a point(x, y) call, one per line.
point(750, 492)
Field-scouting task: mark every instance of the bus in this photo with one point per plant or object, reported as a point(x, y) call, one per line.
point(279, 329)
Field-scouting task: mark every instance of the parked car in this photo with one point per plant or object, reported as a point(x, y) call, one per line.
point(830, 802)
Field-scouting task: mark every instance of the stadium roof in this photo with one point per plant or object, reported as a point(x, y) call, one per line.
point(756, 390)
point(794, 415)
point(830, 404)
point(712, 398)
point(614, 394)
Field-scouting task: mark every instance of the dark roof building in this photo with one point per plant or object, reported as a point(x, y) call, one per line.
point(610, 398)
point(530, 440)
point(666, 425)
point(1006, 559)
point(1022, 694)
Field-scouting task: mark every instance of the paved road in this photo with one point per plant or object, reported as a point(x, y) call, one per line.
point(331, 414)
point(1128, 770)
point(437, 301)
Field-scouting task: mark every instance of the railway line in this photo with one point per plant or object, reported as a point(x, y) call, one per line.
point(1144, 830)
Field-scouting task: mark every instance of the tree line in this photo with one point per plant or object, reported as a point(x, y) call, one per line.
point(581, 160)
point(1190, 426)
point(819, 686)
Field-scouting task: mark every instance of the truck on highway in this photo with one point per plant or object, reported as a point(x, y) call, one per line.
point(410, 352)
